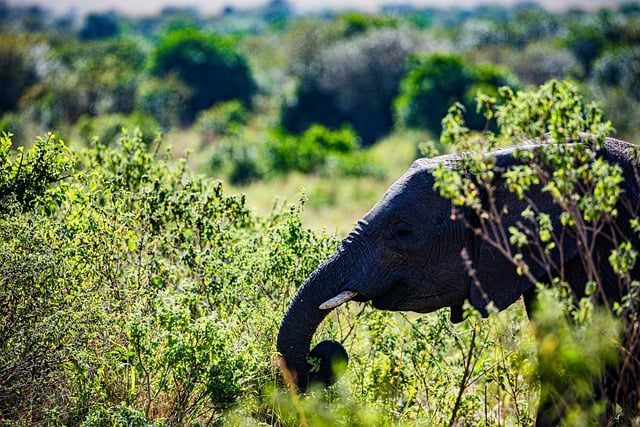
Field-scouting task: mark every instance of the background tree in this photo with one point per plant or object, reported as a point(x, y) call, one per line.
point(539, 62)
point(85, 79)
point(352, 23)
point(619, 67)
point(353, 81)
point(208, 64)
point(587, 38)
point(614, 81)
point(18, 67)
point(100, 26)
point(277, 13)
point(435, 82)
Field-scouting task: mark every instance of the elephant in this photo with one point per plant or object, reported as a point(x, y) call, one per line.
point(412, 252)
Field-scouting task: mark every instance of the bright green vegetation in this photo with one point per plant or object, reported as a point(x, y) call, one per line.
point(136, 289)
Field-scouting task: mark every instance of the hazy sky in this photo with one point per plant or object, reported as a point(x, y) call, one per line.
point(137, 7)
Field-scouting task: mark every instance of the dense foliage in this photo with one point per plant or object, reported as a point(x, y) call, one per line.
point(133, 290)
point(333, 69)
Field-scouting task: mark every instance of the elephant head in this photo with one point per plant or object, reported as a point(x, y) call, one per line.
point(406, 254)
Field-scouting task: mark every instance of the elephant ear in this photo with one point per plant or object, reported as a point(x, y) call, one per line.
point(496, 278)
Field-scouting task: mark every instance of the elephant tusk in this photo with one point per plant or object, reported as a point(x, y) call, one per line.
point(339, 299)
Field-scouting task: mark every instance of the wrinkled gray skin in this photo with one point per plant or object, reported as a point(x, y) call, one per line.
point(405, 254)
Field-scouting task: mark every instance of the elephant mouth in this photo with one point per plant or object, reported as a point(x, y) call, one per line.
point(390, 301)
point(404, 297)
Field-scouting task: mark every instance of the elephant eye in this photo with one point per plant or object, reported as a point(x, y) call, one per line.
point(402, 230)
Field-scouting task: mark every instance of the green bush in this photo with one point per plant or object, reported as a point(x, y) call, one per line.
point(318, 150)
point(147, 295)
point(25, 176)
point(208, 64)
point(581, 329)
point(309, 152)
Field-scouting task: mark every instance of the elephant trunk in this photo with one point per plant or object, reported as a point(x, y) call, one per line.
point(298, 326)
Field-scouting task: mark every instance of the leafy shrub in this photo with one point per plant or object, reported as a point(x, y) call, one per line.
point(149, 295)
point(32, 287)
point(25, 177)
point(37, 316)
point(18, 67)
point(435, 82)
point(318, 150)
point(578, 337)
point(310, 151)
point(208, 64)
